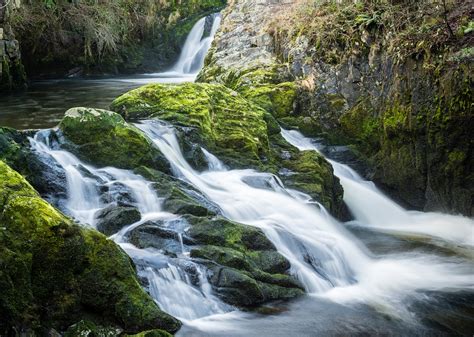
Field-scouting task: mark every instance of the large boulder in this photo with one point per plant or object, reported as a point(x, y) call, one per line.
point(244, 266)
point(104, 138)
point(226, 122)
point(113, 218)
point(54, 273)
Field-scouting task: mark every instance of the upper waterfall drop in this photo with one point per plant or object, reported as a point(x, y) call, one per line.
point(194, 51)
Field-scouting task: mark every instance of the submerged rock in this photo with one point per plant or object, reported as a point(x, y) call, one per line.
point(104, 138)
point(54, 273)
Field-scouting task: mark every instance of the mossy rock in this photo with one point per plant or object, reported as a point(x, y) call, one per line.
point(103, 138)
point(54, 272)
point(241, 289)
point(222, 232)
point(151, 333)
point(245, 267)
point(278, 99)
point(224, 119)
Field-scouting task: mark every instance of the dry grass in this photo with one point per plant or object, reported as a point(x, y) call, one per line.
point(407, 28)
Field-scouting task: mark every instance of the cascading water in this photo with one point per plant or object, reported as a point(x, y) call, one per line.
point(326, 258)
point(376, 210)
point(330, 262)
point(195, 48)
point(171, 287)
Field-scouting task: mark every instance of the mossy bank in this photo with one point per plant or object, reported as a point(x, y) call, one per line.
point(55, 273)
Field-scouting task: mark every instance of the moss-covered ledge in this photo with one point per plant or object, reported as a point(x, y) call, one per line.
point(54, 273)
point(225, 120)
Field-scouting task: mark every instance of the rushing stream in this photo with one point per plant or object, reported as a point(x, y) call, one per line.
point(385, 273)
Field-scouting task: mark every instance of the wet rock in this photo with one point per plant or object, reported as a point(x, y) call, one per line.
point(220, 231)
point(117, 193)
point(113, 218)
point(158, 236)
point(179, 197)
point(246, 269)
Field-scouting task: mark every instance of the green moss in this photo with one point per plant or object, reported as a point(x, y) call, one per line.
point(172, 190)
point(104, 138)
point(225, 120)
point(53, 272)
point(362, 124)
point(222, 232)
point(277, 99)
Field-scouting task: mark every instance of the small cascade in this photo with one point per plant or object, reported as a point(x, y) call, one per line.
point(376, 210)
point(170, 284)
point(195, 47)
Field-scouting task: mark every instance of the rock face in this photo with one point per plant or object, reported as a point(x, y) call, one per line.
point(12, 73)
point(53, 272)
point(409, 117)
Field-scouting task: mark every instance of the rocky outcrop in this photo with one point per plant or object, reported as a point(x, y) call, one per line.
point(12, 73)
point(242, 265)
point(402, 99)
point(54, 273)
point(236, 128)
point(104, 138)
point(404, 102)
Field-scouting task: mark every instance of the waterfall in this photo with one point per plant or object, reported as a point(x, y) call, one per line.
point(329, 261)
point(195, 47)
point(324, 256)
point(372, 208)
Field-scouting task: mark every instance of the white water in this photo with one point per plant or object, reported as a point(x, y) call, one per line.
point(191, 58)
point(327, 259)
point(372, 208)
point(169, 285)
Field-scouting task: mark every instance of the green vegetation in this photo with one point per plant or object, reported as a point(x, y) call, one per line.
point(406, 28)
